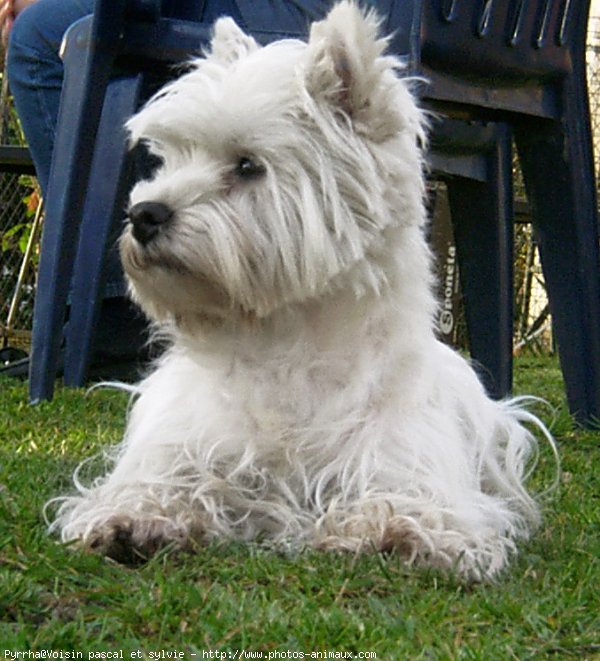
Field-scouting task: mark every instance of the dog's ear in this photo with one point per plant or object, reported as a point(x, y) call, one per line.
point(229, 42)
point(347, 67)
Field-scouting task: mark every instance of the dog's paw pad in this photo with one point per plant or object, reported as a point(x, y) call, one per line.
point(402, 537)
point(114, 540)
point(133, 541)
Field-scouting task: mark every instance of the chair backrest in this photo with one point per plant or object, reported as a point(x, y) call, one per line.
point(503, 40)
point(185, 9)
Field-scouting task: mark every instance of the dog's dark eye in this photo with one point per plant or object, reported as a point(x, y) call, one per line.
point(248, 168)
point(145, 163)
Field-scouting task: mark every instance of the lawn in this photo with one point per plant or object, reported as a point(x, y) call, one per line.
point(232, 601)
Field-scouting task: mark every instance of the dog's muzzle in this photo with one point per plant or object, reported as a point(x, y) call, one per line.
point(147, 220)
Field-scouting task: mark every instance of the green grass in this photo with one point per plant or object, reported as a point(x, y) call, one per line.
point(233, 597)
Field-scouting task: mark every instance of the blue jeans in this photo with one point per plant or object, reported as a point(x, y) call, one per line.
point(35, 72)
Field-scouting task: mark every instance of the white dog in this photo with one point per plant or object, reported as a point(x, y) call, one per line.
point(305, 399)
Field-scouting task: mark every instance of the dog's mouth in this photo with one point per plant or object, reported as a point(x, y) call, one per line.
point(162, 281)
point(138, 256)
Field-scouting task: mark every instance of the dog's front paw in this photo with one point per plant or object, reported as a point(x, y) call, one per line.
point(131, 540)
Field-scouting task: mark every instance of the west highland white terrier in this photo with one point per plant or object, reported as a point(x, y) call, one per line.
point(304, 399)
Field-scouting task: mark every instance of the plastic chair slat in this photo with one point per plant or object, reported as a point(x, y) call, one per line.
point(448, 10)
point(516, 23)
point(485, 18)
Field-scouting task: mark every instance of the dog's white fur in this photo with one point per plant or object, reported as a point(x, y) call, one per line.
point(305, 398)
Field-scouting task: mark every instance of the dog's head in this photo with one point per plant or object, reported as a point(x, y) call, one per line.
point(280, 168)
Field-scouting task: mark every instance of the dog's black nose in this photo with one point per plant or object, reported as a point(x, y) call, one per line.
point(147, 218)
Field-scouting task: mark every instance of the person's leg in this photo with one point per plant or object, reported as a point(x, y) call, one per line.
point(35, 72)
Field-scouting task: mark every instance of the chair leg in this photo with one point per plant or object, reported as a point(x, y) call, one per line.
point(102, 217)
point(557, 163)
point(482, 216)
point(86, 77)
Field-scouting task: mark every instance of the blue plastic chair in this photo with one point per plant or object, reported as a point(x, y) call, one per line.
point(461, 46)
point(523, 61)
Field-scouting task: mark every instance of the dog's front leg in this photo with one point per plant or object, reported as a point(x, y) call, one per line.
point(147, 501)
point(133, 513)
